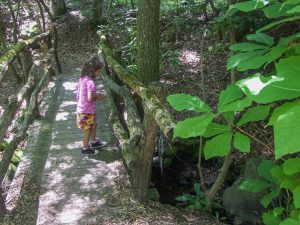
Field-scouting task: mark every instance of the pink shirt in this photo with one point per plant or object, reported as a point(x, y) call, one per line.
point(85, 84)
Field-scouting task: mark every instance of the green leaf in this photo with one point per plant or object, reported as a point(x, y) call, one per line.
point(278, 174)
point(256, 113)
point(276, 10)
point(238, 59)
point(294, 10)
point(296, 195)
point(187, 102)
point(192, 127)
point(218, 145)
point(270, 219)
point(285, 120)
point(215, 129)
point(269, 89)
point(186, 197)
point(275, 53)
point(289, 221)
point(290, 182)
point(278, 211)
point(295, 214)
point(237, 106)
point(248, 5)
point(253, 63)
point(246, 47)
point(261, 38)
point(198, 191)
point(241, 142)
point(278, 22)
point(254, 186)
point(292, 2)
point(229, 116)
point(267, 199)
point(229, 95)
point(291, 166)
point(264, 170)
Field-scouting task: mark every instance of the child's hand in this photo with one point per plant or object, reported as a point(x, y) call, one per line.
point(100, 97)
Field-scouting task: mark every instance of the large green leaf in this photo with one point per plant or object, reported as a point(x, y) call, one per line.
point(290, 182)
point(241, 142)
point(248, 5)
point(187, 102)
point(276, 52)
point(192, 127)
point(296, 196)
point(246, 47)
point(238, 59)
point(253, 63)
point(270, 219)
point(264, 170)
point(285, 120)
point(215, 129)
point(292, 2)
point(296, 9)
point(256, 113)
point(267, 199)
point(278, 22)
point(237, 106)
point(278, 174)
point(291, 166)
point(276, 10)
point(218, 146)
point(231, 94)
point(254, 186)
point(261, 38)
point(269, 89)
point(289, 221)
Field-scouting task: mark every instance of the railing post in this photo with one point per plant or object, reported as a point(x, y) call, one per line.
point(147, 147)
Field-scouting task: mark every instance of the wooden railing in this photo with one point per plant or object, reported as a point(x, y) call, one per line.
point(34, 75)
point(137, 114)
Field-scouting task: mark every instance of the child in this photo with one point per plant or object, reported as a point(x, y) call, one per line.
point(86, 104)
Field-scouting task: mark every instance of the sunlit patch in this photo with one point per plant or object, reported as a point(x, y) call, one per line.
point(75, 144)
point(189, 57)
point(78, 15)
point(62, 116)
point(55, 147)
point(70, 86)
point(67, 103)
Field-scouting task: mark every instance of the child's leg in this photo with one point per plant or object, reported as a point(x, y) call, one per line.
point(86, 137)
point(93, 134)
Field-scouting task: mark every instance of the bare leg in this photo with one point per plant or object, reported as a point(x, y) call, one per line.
point(93, 133)
point(86, 137)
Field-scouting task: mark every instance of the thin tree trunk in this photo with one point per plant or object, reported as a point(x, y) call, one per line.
point(2, 205)
point(148, 38)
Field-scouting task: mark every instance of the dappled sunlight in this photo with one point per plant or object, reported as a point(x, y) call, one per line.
point(78, 15)
point(70, 86)
point(189, 57)
point(62, 116)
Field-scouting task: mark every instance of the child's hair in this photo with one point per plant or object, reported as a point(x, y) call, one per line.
point(91, 66)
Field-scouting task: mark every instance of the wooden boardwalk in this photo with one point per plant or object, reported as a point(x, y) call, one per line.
point(71, 187)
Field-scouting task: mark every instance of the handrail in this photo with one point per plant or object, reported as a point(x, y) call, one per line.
point(10, 55)
point(155, 107)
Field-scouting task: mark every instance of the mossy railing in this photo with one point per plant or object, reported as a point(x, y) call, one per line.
point(137, 114)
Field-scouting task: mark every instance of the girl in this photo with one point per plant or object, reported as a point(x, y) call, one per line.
point(86, 104)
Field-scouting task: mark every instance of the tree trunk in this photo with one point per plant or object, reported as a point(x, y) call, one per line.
point(2, 205)
point(59, 7)
point(97, 14)
point(148, 38)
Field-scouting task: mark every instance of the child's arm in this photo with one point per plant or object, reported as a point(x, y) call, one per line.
point(98, 97)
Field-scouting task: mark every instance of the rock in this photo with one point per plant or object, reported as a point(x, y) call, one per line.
point(153, 194)
point(243, 205)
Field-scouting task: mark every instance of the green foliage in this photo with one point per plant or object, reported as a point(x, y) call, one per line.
point(197, 201)
point(277, 180)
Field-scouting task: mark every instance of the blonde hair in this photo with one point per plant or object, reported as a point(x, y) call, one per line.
point(91, 66)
